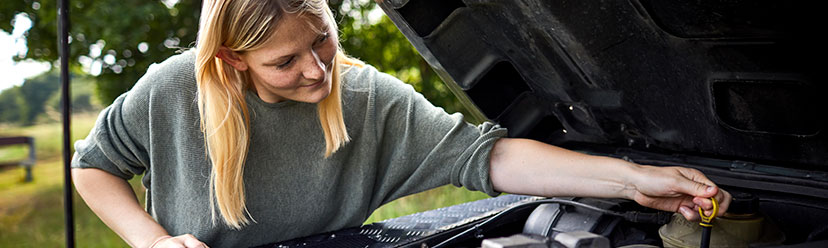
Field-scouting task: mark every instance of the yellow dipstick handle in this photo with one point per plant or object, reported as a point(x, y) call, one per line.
point(705, 220)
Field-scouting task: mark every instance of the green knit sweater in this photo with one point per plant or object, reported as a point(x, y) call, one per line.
point(400, 144)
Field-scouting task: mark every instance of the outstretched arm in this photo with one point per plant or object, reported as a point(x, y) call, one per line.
point(524, 166)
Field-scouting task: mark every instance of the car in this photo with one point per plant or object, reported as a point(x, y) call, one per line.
point(732, 88)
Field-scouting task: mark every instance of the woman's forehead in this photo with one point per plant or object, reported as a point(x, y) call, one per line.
point(303, 20)
point(294, 31)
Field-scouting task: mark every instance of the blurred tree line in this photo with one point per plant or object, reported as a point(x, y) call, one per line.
point(39, 99)
point(115, 41)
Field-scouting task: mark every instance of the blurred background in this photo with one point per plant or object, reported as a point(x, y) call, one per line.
point(112, 43)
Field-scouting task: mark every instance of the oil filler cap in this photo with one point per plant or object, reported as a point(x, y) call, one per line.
point(743, 204)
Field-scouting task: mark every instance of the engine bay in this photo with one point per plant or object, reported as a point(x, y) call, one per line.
point(755, 219)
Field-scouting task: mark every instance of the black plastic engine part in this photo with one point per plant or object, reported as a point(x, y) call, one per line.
point(429, 227)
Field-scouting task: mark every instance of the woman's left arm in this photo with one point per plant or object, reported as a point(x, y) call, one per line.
point(524, 166)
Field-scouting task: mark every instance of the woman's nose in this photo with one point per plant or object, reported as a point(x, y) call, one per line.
point(314, 69)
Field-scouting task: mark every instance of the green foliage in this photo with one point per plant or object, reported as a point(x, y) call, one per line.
point(82, 90)
point(382, 45)
point(35, 92)
point(120, 26)
point(39, 98)
point(10, 102)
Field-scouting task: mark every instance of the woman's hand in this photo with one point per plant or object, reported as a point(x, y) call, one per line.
point(180, 241)
point(676, 189)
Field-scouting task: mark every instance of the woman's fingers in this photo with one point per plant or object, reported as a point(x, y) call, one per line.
point(723, 198)
point(705, 203)
point(694, 183)
point(689, 214)
point(169, 243)
point(680, 189)
point(191, 241)
point(695, 175)
point(181, 241)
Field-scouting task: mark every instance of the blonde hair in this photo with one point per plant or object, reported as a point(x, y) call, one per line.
point(244, 25)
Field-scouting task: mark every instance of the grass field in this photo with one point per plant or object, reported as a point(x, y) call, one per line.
point(31, 214)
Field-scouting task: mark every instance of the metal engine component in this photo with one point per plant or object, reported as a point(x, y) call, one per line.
point(516, 241)
point(541, 221)
point(550, 219)
point(582, 239)
point(577, 239)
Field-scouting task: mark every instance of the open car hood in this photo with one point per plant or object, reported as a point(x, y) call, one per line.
point(733, 85)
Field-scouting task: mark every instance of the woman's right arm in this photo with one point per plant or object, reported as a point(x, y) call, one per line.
point(112, 199)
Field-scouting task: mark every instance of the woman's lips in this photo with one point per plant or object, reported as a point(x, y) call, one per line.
point(314, 84)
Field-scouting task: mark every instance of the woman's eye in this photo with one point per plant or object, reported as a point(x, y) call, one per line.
point(285, 64)
point(322, 38)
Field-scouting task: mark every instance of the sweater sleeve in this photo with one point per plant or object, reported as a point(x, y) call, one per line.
point(112, 144)
point(118, 141)
point(423, 147)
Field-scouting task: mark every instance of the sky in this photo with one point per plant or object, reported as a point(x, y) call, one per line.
point(13, 73)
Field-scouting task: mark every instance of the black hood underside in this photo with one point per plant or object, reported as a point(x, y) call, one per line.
point(736, 80)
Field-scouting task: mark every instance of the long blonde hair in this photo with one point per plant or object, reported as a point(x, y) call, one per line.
point(245, 25)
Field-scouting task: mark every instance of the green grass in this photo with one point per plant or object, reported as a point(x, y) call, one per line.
point(436, 198)
point(13, 153)
point(48, 137)
point(31, 214)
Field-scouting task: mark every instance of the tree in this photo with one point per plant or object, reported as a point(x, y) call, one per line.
point(35, 92)
point(123, 37)
point(82, 98)
point(39, 99)
point(10, 102)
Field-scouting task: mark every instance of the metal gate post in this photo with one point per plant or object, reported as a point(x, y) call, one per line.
point(63, 48)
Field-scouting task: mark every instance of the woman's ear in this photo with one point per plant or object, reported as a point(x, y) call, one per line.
point(232, 58)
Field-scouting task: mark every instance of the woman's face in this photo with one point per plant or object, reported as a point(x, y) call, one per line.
point(296, 62)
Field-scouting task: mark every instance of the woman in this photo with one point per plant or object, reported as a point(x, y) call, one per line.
point(230, 138)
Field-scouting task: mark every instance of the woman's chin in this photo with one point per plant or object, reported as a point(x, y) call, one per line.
point(319, 94)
